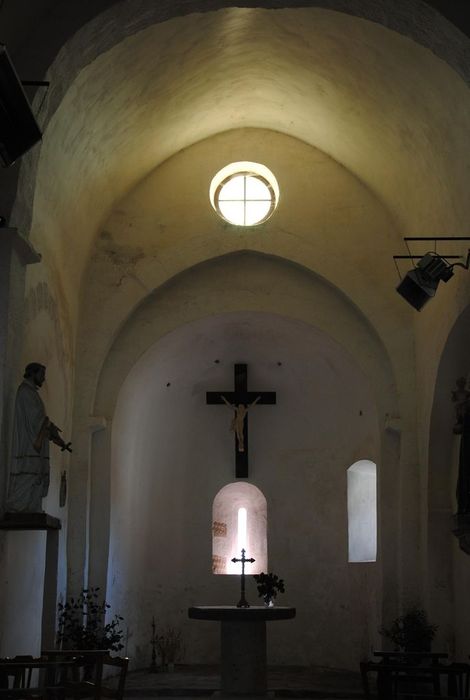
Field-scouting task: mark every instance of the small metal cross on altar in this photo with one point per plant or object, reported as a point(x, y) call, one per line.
point(243, 603)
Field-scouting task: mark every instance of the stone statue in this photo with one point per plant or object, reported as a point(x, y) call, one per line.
point(32, 431)
point(461, 398)
point(238, 420)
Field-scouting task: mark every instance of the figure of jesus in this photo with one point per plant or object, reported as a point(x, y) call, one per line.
point(238, 421)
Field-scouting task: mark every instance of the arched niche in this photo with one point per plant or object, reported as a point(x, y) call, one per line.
point(171, 453)
point(239, 520)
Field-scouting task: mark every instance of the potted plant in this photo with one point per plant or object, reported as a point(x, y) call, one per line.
point(411, 631)
point(82, 623)
point(268, 587)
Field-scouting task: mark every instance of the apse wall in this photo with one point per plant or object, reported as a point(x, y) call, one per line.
point(171, 454)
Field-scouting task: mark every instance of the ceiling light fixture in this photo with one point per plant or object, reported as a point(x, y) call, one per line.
point(420, 284)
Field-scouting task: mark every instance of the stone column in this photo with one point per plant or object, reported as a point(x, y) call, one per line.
point(15, 253)
point(100, 503)
point(389, 519)
point(89, 505)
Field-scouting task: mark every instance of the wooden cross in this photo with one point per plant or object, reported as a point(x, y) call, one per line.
point(243, 603)
point(240, 401)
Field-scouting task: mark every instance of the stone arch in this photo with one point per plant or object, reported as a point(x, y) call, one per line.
point(187, 300)
point(161, 487)
point(156, 316)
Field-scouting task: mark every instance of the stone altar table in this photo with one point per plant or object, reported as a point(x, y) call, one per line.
point(243, 643)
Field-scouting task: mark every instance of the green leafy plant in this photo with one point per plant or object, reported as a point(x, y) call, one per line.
point(269, 585)
point(411, 631)
point(82, 623)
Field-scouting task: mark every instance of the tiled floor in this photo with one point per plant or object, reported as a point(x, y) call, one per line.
point(285, 681)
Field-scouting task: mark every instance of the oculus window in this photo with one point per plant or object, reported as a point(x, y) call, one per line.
point(244, 193)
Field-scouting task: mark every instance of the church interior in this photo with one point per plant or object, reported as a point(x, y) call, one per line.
point(126, 273)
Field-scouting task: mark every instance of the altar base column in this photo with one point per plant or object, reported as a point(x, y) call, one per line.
point(243, 657)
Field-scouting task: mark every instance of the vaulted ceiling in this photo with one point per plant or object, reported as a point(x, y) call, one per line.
point(139, 83)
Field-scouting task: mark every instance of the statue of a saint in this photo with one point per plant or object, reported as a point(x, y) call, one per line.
point(32, 431)
point(238, 421)
point(461, 398)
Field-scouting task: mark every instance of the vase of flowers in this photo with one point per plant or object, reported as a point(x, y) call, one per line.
point(269, 585)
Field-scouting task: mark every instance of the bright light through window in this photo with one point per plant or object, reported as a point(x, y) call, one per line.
point(239, 521)
point(244, 193)
point(241, 529)
point(362, 511)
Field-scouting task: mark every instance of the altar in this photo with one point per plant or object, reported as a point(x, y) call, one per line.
point(243, 643)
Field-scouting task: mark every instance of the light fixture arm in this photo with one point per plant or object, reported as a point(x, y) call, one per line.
point(466, 264)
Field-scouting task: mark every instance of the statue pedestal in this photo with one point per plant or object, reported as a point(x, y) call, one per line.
point(243, 644)
point(51, 525)
point(29, 521)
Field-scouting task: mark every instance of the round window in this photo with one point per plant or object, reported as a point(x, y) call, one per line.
point(244, 193)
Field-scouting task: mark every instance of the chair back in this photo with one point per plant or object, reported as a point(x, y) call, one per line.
point(86, 673)
point(115, 685)
point(17, 674)
point(402, 680)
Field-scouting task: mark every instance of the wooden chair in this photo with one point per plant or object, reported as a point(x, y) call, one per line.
point(394, 681)
point(16, 676)
point(459, 680)
point(115, 684)
point(85, 678)
point(414, 658)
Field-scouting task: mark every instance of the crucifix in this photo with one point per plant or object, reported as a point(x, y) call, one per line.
point(243, 603)
point(240, 401)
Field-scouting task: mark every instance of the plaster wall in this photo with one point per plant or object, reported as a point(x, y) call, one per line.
point(171, 454)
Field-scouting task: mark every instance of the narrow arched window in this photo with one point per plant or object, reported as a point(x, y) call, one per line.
point(239, 521)
point(362, 511)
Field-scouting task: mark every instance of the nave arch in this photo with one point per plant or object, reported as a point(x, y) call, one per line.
point(170, 454)
point(199, 303)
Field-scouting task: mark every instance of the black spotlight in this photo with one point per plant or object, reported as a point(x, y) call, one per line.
point(19, 130)
point(419, 285)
